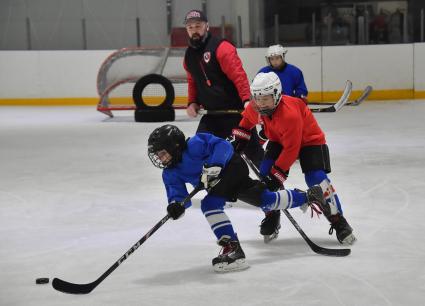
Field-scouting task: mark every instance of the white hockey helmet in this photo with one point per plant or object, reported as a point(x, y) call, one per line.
point(275, 50)
point(267, 84)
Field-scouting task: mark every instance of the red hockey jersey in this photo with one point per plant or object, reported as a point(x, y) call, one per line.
point(292, 125)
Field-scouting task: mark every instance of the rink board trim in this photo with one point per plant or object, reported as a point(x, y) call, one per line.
point(399, 94)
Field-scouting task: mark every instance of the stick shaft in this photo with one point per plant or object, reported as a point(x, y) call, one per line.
point(73, 288)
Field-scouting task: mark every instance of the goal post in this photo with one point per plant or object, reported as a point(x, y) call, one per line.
point(123, 68)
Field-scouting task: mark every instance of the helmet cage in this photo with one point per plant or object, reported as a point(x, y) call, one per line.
point(170, 139)
point(263, 85)
point(156, 161)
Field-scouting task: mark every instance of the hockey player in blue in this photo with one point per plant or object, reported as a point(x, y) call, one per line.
point(292, 80)
point(291, 77)
point(210, 161)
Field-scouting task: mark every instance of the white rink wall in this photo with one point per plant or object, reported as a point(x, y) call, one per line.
point(419, 67)
point(396, 71)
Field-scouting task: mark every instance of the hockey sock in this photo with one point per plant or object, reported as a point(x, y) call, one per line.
point(265, 166)
point(319, 177)
point(212, 208)
point(282, 199)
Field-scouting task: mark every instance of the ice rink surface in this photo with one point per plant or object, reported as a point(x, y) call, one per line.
point(77, 190)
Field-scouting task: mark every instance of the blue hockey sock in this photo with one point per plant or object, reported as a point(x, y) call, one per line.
point(213, 210)
point(315, 177)
point(282, 199)
point(265, 166)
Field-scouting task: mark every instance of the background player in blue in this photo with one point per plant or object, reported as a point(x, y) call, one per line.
point(209, 160)
point(292, 80)
point(291, 77)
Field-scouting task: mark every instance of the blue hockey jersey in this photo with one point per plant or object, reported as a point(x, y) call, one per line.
point(292, 80)
point(203, 148)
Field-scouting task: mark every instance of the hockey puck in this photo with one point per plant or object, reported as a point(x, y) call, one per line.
point(42, 280)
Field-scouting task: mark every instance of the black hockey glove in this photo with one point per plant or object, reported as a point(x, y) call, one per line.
point(175, 210)
point(239, 139)
point(275, 180)
point(210, 175)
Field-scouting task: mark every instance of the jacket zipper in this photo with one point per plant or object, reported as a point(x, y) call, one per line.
point(205, 74)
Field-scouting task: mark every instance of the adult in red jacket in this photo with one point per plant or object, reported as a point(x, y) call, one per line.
point(216, 81)
point(293, 133)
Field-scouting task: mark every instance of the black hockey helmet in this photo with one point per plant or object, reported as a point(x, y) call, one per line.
point(170, 138)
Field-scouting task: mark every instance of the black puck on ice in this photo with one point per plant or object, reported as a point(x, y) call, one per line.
point(42, 280)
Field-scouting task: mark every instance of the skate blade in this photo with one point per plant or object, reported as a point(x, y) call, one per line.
point(349, 240)
point(268, 238)
point(237, 265)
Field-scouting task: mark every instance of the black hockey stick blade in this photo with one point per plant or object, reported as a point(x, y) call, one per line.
point(341, 102)
point(72, 288)
point(316, 248)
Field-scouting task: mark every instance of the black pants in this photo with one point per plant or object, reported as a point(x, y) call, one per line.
point(234, 179)
point(222, 125)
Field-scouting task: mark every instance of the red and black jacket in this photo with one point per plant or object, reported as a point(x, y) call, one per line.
point(216, 78)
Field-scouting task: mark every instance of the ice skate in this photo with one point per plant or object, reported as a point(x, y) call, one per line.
point(344, 232)
point(270, 226)
point(315, 196)
point(231, 257)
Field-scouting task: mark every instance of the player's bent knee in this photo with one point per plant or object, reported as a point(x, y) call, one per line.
point(212, 202)
point(253, 194)
point(315, 177)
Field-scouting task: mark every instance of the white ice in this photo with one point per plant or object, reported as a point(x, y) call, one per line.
point(77, 190)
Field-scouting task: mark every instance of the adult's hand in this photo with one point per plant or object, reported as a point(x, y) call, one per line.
point(192, 110)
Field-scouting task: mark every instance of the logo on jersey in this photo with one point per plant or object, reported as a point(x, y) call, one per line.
point(207, 57)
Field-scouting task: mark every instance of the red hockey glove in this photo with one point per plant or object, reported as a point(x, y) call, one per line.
point(276, 179)
point(239, 139)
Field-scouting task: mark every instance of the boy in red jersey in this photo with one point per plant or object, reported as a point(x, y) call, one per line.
point(293, 134)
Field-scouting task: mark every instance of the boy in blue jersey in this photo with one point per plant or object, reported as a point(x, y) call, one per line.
point(292, 80)
point(290, 76)
point(208, 160)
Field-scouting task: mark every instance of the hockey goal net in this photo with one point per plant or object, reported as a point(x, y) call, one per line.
point(121, 70)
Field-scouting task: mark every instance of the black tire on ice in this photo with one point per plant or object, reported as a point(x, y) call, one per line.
point(153, 79)
point(154, 114)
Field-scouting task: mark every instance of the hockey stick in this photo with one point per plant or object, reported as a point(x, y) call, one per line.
point(314, 247)
point(68, 287)
point(364, 95)
point(341, 102)
point(219, 112)
point(331, 109)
